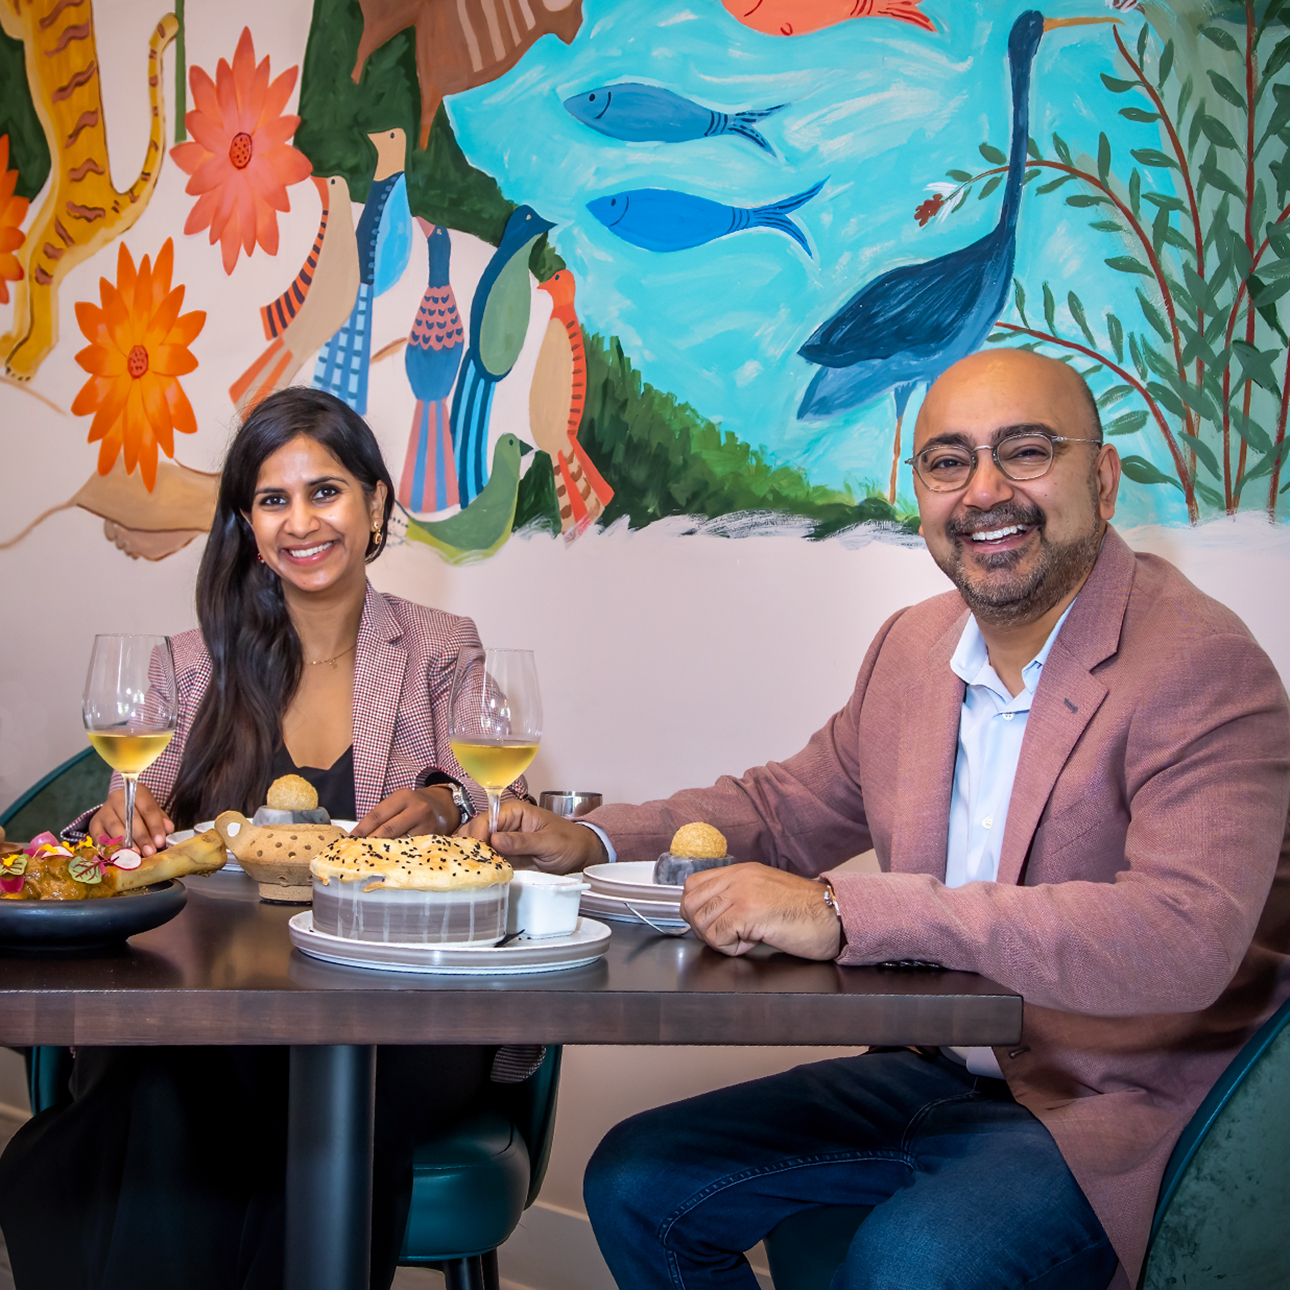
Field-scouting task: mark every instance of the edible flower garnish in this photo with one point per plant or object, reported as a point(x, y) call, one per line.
point(12, 868)
point(87, 860)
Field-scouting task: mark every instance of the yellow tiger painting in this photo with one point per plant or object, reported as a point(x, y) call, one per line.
point(82, 211)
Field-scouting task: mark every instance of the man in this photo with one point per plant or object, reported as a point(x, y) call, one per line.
point(1075, 772)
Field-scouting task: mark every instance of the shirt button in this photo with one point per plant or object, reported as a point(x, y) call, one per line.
point(1008, 716)
point(988, 822)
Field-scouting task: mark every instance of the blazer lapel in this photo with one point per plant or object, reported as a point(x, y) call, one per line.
point(1065, 701)
point(925, 772)
point(1067, 697)
point(379, 664)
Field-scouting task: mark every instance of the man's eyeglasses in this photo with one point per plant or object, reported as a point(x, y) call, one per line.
point(947, 467)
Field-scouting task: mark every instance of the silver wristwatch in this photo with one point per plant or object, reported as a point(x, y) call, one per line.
point(461, 798)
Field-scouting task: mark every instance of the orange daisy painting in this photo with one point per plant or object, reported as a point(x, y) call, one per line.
point(138, 350)
point(239, 158)
point(13, 210)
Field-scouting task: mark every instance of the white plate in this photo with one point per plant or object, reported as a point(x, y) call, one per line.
point(619, 909)
point(519, 958)
point(633, 878)
point(231, 865)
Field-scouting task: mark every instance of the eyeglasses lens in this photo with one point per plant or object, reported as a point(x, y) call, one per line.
point(948, 466)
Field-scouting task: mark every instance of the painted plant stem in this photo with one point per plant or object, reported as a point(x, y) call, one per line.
point(181, 74)
point(1274, 485)
point(1175, 143)
point(1184, 168)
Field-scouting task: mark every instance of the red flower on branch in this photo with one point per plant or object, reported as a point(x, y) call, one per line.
point(929, 209)
point(240, 161)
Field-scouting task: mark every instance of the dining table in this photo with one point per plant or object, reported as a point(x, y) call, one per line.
point(224, 971)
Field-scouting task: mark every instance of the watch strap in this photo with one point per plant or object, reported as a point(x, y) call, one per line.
point(431, 778)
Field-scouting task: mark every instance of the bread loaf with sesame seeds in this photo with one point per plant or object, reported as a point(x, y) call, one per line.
point(427, 863)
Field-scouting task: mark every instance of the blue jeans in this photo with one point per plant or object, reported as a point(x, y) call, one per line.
point(970, 1190)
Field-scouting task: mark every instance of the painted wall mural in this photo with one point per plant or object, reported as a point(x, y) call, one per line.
point(653, 258)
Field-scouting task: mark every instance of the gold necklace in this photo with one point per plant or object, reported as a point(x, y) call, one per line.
point(318, 662)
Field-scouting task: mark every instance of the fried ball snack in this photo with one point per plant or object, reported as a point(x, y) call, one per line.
point(694, 846)
point(698, 842)
point(291, 793)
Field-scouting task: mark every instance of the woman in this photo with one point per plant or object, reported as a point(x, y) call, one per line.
point(167, 1168)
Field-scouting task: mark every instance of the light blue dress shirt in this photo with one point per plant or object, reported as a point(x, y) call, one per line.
point(992, 724)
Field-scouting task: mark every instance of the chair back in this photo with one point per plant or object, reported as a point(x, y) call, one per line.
point(531, 1105)
point(55, 801)
point(1226, 1189)
point(49, 1074)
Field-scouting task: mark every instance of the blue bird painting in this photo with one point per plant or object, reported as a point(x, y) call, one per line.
point(658, 219)
point(432, 357)
point(908, 325)
point(499, 319)
point(648, 113)
point(384, 245)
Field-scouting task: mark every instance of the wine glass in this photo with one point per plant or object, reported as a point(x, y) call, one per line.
point(495, 718)
point(130, 706)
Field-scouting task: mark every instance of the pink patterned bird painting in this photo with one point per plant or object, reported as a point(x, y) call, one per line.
point(557, 399)
point(432, 357)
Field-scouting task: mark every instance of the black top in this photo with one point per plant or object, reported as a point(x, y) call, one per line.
point(335, 785)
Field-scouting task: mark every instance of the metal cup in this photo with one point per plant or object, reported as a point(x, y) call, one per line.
point(569, 803)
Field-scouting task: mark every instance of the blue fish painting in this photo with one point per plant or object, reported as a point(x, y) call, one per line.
point(650, 114)
point(658, 219)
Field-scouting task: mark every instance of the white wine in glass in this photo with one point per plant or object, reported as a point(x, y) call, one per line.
point(130, 706)
point(495, 718)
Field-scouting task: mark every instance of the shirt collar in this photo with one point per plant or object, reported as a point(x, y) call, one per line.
point(971, 660)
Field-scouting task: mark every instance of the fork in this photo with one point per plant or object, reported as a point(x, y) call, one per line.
point(662, 931)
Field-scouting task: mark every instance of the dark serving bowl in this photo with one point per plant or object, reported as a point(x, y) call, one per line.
point(88, 924)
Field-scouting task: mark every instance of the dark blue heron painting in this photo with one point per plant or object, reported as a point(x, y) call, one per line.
point(908, 325)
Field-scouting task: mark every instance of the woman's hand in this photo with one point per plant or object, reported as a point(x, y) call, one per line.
point(525, 831)
point(150, 821)
point(411, 811)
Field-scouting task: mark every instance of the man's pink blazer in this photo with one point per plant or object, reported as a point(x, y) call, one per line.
point(1142, 906)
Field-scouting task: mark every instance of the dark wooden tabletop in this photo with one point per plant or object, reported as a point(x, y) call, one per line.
point(224, 972)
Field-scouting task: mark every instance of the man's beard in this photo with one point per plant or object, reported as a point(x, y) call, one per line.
point(1021, 597)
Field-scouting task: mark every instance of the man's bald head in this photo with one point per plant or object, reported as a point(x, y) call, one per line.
point(1015, 548)
point(993, 371)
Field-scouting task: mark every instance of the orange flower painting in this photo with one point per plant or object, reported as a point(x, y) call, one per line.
point(13, 210)
point(239, 158)
point(138, 350)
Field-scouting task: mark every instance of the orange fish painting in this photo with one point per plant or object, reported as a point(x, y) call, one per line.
point(798, 17)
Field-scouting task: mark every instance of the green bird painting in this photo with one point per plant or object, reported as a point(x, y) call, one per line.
point(480, 529)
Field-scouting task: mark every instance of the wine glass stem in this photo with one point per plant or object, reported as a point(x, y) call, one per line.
point(494, 809)
point(131, 782)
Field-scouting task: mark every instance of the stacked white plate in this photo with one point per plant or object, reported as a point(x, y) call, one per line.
point(627, 893)
point(585, 944)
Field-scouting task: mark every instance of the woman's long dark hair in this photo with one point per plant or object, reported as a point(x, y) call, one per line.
point(254, 649)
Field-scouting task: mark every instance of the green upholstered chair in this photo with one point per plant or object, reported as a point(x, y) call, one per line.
point(1226, 1189)
point(1223, 1199)
point(55, 801)
point(470, 1186)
